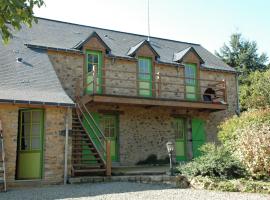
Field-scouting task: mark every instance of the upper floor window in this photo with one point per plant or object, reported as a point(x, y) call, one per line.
point(145, 76)
point(93, 60)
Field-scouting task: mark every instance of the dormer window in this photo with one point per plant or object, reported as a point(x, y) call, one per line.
point(93, 72)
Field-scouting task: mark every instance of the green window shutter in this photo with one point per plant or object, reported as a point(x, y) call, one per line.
point(198, 136)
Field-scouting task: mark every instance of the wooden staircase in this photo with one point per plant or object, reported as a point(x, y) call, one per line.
point(89, 158)
point(2, 162)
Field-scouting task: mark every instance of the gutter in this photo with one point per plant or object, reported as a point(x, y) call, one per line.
point(72, 105)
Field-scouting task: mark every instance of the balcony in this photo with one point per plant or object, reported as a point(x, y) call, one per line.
point(130, 87)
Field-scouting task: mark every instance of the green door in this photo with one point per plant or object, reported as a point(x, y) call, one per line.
point(145, 77)
point(198, 136)
point(93, 60)
point(109, 126)
point(30, 144)
point(180, 142)
point(191, 81)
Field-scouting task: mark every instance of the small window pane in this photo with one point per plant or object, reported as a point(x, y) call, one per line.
point(26, 130)
point(36, 143)
point(36, 130)
point(25, 143)
point(90, 58)
point(36, 116)
point(26, 117)
point(95, 60)
point(90, 67)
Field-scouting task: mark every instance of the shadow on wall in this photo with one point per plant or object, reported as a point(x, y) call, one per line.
point(152, 160)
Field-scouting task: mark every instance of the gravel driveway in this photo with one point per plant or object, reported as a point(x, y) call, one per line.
point(122, 190)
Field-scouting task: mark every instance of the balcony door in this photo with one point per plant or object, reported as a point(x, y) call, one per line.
point(93, 60)
point(191, 81)
point(145, 77)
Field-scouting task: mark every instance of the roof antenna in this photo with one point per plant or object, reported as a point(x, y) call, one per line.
point(148, 38)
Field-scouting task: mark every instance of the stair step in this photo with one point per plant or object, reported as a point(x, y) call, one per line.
point(88, 170)
point(92, 154)
point(80, 159)
point(81, 148)
point(94, 165)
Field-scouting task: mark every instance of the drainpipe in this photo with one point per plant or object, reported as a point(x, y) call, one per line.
point(237, 96)
point(66, 149)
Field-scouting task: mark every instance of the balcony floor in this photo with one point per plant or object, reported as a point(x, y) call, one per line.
point(142, 101)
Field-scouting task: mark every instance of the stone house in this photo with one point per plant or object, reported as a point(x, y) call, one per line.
point(120, 97)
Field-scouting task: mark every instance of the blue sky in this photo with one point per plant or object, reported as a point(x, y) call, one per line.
point(207, 22)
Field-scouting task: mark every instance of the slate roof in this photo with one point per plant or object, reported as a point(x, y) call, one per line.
point(31, 81)
point(178, 57)
point(35, 79)
point(65, 35)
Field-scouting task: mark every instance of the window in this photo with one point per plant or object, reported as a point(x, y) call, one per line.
point(108, 125)
point(31, 130)
point(179, 128)
point(190, 74)
point(92, 60)
point(145, 77)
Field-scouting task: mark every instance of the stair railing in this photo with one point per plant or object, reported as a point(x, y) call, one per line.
point(103, 148)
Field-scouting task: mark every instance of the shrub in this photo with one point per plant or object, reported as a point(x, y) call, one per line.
point(248, 138)
point(216, 161)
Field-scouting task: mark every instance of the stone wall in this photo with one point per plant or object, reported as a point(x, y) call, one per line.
point(69, 69)
point(54, 142)
point(144, 131)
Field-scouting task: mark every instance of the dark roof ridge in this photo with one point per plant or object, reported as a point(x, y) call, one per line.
point(153, 37)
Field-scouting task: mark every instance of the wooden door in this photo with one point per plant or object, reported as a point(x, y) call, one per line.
point(145, 77)
point(198, 136)
point(191, 81)
point(180, 142)
point(30, 144)
point(93, 60)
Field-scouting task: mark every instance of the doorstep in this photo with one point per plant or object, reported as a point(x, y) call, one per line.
point(158, 179)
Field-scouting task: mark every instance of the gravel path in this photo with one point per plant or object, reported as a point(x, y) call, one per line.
point(123, 191)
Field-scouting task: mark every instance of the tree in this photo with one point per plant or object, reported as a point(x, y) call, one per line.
point(15, 12)
point(243, 55)
point(255, 91)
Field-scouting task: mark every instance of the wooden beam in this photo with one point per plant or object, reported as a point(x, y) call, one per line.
point(108, 158)
point(155, 102)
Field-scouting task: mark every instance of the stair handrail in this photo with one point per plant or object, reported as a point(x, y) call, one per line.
point(102, 142)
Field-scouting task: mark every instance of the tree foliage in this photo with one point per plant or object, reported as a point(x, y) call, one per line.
point(255, 91)
point(248, 138)
point(15, 12)
point(243, 55)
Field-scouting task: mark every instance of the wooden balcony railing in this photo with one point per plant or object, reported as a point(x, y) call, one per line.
point(159, 86)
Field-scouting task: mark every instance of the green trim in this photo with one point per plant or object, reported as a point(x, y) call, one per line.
point(181, 141)
point(191, 86)
point(198, 136)
point(145, 84)
point(89, 78)
point(30, 151)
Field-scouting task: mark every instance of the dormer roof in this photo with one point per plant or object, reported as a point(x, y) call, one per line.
point(178, 57)
point(93, 34)
point(132, 51)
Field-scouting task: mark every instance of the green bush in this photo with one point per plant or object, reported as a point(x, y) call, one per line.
point(248, 138)
point(216, 161)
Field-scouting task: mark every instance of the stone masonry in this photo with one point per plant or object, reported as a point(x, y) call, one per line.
point(54, 141)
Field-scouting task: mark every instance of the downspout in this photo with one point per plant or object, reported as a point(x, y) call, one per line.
point(237, 96)
point(66, 149)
